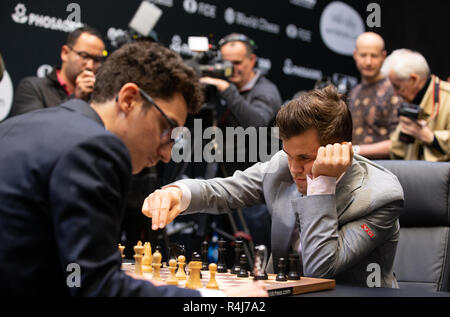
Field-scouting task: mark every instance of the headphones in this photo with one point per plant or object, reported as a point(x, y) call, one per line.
point(233, 37)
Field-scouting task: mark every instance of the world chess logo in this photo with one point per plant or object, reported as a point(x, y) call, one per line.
point(20, 14)
point(230, 16)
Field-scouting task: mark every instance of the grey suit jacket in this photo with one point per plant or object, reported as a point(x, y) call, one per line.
point(350, 236)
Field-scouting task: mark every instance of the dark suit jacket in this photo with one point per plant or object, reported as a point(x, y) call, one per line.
point(64, 180)
point(35, 93)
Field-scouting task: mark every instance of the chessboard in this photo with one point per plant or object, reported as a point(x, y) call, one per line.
point(226, 280)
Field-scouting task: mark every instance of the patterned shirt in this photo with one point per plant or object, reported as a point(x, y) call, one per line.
point(374, 111)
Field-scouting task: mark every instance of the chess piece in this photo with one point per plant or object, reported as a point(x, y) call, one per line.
point(222, 265)
point(121, 248)
point(212, 284)
point(205, 256)
point(172, 279)
point(281, 276)
point(181, 274)
point(294, 261)
point(195, 266)
point(156, 265)
point(237, 256)
point(147, 260)
point(259, 267)
point(158, 248)
point(243, 265)
point(139, 251)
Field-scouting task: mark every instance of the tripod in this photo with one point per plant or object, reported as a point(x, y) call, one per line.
point(210, 171)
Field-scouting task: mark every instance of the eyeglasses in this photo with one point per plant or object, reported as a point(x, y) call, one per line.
point(170, 135)
point(86, 56)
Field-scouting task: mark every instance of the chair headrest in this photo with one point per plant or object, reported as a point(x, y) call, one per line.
point(426, 186)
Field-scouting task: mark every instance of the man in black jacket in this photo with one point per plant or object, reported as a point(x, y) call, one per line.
point(65, 174)
point(81, 57)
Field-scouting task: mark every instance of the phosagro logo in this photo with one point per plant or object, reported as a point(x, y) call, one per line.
point(72, 22)
point(19, 16)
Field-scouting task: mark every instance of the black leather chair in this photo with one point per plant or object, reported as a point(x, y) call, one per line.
point(423, 253)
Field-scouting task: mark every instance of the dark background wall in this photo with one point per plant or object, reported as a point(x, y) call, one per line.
point(292, 48)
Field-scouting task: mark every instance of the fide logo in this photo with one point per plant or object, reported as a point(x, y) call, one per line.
point(20, 14)
point(190, 6)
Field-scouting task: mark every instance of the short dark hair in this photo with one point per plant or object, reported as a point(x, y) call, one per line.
point(250, 45)
point(322, 109)
point(156, 69)
point(73, 36)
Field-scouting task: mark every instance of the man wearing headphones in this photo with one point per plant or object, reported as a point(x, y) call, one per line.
point(251, 101)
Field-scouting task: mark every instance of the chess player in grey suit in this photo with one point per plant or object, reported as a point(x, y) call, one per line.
point(339, 211)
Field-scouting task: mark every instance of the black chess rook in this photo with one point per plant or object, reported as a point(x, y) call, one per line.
point(281, 276)
point(294, 262)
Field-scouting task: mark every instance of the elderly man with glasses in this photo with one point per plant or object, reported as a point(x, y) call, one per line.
point(81, 57)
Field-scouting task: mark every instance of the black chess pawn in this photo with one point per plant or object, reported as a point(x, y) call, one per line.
point(281, 276)
point(222, 265)
point(237, 256)
point(294, 262)
point(243, 263)
point(205, 256)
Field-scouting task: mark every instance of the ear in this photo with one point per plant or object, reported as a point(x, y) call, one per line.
point(64, 52)
point(253, 59)
point(129, 98)
point(414, 77)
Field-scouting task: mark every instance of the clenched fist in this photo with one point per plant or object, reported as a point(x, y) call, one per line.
point(333, 160)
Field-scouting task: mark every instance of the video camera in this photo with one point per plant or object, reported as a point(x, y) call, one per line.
point(207, 60)
point(141, 25)
point(412, 112)
point(342, 83)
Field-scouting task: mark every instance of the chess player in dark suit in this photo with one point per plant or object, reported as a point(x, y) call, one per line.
point(65, 174)
point(337, 210)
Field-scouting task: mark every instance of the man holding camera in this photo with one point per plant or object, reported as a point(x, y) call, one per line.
point(423, 132)
point(251, 101)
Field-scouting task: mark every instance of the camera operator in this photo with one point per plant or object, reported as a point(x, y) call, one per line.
point(251, 101)
point(423, 132)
